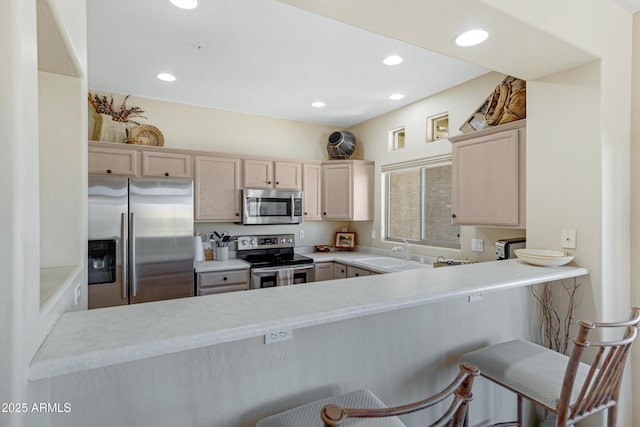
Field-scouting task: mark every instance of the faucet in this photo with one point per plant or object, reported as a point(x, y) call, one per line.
point(405, 249)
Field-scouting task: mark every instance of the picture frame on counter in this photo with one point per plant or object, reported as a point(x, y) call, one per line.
point(345, 240)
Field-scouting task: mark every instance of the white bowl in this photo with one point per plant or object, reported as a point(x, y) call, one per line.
point(544, 257)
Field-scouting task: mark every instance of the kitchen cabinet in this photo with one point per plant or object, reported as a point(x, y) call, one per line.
point(113, 161)
point(217, 282)
point(272, 174)
point(339, 271)
point(311, 191)
point(173, 165)
point(347, 190)
point(323, 271)
point(488, 177)
point(217, 189)
point(357, 272)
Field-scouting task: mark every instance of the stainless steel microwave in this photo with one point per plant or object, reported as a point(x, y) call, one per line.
point(271, 206)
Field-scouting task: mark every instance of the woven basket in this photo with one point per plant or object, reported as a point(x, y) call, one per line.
point(146, 135)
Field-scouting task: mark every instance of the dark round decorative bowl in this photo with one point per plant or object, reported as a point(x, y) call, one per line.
point(341, 145)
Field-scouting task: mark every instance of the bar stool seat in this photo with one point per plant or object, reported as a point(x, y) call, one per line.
point(362, 408)
point(528, 369)
point(309, 415)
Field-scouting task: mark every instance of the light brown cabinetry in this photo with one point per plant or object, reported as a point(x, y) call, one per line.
point(347, 190)
point(113, 161)
point(323, 271)
point(172, 165)
point(339, 271)
point(312, 195)
point(488, 181)
point(272, 174)
point(357, 272)
point(217, 282)
point(217, 189)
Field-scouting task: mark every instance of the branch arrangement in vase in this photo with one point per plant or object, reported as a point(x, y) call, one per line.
point(102, 105)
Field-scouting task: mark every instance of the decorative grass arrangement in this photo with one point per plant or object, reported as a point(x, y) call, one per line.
point(102, 105)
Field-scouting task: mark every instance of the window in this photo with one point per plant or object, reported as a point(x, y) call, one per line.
point(396, 139)
point(418, 204)
point(438, 127)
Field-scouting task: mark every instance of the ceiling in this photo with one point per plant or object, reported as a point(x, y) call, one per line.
point(630, 5)
point(260, 57)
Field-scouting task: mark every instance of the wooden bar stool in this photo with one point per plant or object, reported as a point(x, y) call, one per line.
point(565, 386)
point(333, 411)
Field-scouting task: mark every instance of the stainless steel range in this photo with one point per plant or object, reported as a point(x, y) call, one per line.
point(273, 261)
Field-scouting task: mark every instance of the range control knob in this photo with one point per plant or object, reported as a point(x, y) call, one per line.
point(253, 241)
point(282, 240)
point(289, 240)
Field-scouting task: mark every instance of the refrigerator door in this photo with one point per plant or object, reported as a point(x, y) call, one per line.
point(107, 213)
point(161, 239)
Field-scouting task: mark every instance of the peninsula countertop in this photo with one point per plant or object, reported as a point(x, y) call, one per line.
point(84, 340)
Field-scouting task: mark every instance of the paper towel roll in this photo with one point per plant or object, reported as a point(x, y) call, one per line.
point(198, 251)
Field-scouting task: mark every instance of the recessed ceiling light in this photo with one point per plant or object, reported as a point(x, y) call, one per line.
point(471, 38)
point(318, 104)
point(185, 4)
point(392, 60)
point(396, 96)
point(166, 77)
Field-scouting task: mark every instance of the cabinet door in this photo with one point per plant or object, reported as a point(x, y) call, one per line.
point(113, 161)
point(339, 271)
point(323, 271)
point(217, 189)
point(337, 192)
point(288, 175)
point(258, 173)
point(312, 200)
point(357, 272)
point(166, 164)
point(485, 181)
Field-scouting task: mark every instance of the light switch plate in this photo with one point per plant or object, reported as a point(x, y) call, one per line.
point(477, 245)
point(568, 239)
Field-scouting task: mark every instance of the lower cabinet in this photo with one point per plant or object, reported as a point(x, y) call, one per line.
point(357, 272)
point(339, 271)
point(218, 282)
point(323, 271)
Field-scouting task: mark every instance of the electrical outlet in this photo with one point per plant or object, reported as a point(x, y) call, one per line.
point(301, 234)
point(568, 239)
point(475, 297)
point(278, 335)
point(373, 233)
point(77, 294)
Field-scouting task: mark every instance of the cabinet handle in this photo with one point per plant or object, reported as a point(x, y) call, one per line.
point(108, 170)
point(453, 215)
point(341, 271)
point(224, 278)
point(324, 213)
point(357, 274)
point(277, 182)
point(305, 213)
point(237, 214)
point(268, 182)
point(166, 174)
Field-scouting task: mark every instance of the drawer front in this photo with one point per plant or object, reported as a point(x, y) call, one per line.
point(223, 289)
point(166, 165)
point(221, 278)
point(357, 272)
point(339, 271)
point(112, 161)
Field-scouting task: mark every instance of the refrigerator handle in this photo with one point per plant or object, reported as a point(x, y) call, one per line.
point(125, 255)
point(132, 266)
point(293, 207)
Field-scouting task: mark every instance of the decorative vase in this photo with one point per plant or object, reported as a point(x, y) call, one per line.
point(341, 145)
point(105, 129)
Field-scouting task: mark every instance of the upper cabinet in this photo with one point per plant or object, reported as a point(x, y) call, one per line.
point(488, 182)
point(311, 191)
point(170, 165)
point(272, 174)
point(217, 193)
point(113, 161)
point(347, 190)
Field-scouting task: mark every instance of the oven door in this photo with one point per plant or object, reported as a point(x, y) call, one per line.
point(273, 276)
point(271, 207)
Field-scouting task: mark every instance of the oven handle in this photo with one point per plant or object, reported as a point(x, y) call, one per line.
point(274, 270)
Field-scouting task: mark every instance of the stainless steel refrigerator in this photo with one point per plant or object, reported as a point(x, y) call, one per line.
point(140, 240)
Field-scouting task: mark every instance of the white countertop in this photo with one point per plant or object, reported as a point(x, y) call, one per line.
point(84, 340)
point(231, 264)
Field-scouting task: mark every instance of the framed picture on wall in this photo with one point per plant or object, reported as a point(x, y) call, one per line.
point(345, 240)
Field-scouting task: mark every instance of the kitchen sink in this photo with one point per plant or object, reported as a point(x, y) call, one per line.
point(412, 266)
point(387, 262)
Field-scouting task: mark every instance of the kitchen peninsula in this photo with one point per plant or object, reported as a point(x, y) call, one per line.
point(86, 340)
